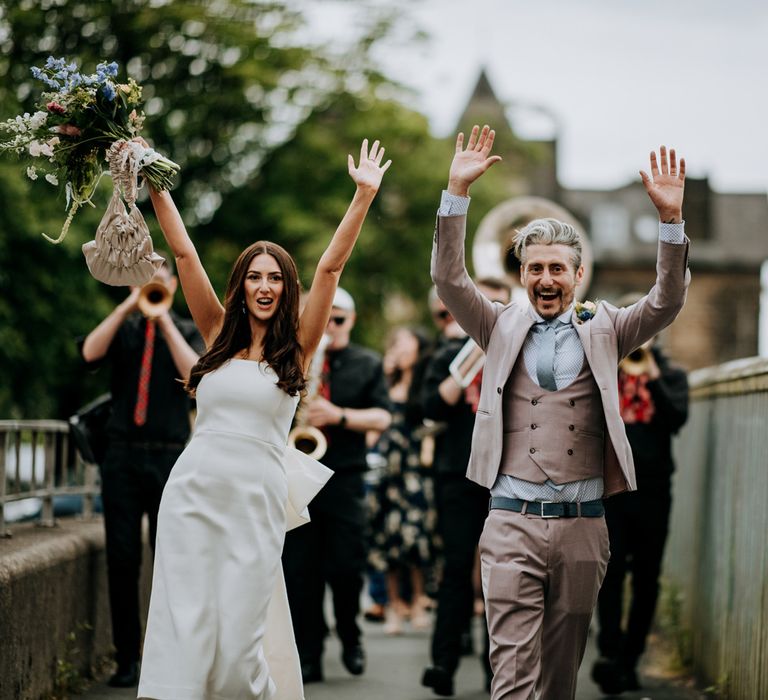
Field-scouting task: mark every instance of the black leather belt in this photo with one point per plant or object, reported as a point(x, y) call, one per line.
point(550, 509)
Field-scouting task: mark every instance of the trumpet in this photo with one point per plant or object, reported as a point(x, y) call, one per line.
point(154, 300)
point(637, 362)
point(466, 365)
point(304, 437)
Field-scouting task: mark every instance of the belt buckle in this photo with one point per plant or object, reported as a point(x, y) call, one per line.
point(547, 517)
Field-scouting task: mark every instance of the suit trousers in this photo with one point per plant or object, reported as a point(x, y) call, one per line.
point(638, 523)
point(132, 481)
point(462, 507)
point(541, 577)
point(330, 549)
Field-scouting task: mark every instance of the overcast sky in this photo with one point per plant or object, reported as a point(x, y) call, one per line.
point(619, 77)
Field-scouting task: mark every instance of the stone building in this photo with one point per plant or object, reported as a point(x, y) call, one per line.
point(728, 232)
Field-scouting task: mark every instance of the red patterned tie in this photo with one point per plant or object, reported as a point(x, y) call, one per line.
point(325, 379)
point(142, 397)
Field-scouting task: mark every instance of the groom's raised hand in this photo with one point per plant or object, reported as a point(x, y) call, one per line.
point(666, 185)
point(470, 163)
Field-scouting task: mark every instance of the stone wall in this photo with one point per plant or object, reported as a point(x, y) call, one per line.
point(716, 560)
point(54, 606)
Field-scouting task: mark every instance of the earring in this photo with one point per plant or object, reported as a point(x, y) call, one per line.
point(242, 302)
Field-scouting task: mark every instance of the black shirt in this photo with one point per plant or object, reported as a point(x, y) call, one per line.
point(357, 381)
point(651, 443)
point(452, 445)
point(169, 404)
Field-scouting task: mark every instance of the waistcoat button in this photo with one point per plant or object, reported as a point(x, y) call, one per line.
point(572, 402)
point(534, 426)
point(498, 389)
point(570, 427)
point(534, 401)
point(570, 452)
point(532, 450)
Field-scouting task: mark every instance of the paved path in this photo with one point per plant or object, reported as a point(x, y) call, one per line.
point(394, 671)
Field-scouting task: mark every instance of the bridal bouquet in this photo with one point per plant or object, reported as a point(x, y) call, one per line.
point(80, 121)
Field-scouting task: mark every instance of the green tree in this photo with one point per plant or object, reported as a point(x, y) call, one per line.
point(224, 83)
point(261, 124)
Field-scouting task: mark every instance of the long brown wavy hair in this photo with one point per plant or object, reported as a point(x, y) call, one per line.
point(281, 344)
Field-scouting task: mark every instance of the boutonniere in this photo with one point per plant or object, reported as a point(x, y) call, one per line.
point(585, 310)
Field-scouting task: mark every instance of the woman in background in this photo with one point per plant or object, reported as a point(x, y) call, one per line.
point(403, 514)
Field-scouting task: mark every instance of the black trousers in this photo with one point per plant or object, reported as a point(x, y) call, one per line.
point(132, 481)
point(462, 507)
point(332, 550)
point(638, 523)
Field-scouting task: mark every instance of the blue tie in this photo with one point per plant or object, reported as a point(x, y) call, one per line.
point(545, 362)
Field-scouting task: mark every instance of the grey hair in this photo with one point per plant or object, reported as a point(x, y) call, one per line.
point(547, 232)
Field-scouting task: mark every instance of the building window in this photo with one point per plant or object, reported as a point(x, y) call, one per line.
point(610, 226)
point(647, 228)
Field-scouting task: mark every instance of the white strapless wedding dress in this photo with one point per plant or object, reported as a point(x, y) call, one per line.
point(219, 627)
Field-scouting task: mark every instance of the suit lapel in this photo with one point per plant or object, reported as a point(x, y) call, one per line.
point(513, 334)
point(586, 338)
point(602, 369)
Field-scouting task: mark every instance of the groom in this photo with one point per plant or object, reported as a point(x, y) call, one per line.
point(548, 439)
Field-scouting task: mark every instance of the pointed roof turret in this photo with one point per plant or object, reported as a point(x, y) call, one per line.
point(530, 166)
point(484, 107)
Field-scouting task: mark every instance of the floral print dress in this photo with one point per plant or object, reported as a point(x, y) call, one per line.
point(402, 510)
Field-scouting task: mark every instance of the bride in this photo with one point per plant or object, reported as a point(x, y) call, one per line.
point(219, 626)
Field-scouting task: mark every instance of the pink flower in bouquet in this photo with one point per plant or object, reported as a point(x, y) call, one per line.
point(55, 107)
point(68, 130)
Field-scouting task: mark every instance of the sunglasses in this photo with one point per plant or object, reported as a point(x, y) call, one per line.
point(442, 315)
point(338, 320)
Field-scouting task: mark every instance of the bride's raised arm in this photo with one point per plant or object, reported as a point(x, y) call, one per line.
point(205, 307)
point(367, 176)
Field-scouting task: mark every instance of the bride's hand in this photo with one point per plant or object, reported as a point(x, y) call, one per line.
point(370, 171)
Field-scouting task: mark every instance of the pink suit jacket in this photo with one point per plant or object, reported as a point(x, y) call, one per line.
point(501, 330)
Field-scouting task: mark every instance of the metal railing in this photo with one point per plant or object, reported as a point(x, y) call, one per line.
point(36, 462)
point(717, 553)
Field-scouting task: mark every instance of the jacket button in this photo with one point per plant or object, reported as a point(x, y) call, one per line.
point(570, 452)
point(572, 402)
point(570, 427)
point(498, 389)
point(534, 401)
point(534, 426)
point(532, 450)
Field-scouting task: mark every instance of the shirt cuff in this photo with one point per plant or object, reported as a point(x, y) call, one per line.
point(453, 205)
point(672, 233)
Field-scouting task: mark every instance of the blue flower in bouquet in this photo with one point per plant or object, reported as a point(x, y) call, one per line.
point(108, 90)
point(64, 77)
point(77, 119)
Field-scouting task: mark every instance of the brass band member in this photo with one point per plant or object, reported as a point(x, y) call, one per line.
point(461, 505)
point(332, 548)
point(147, 431)
point(653, 400)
